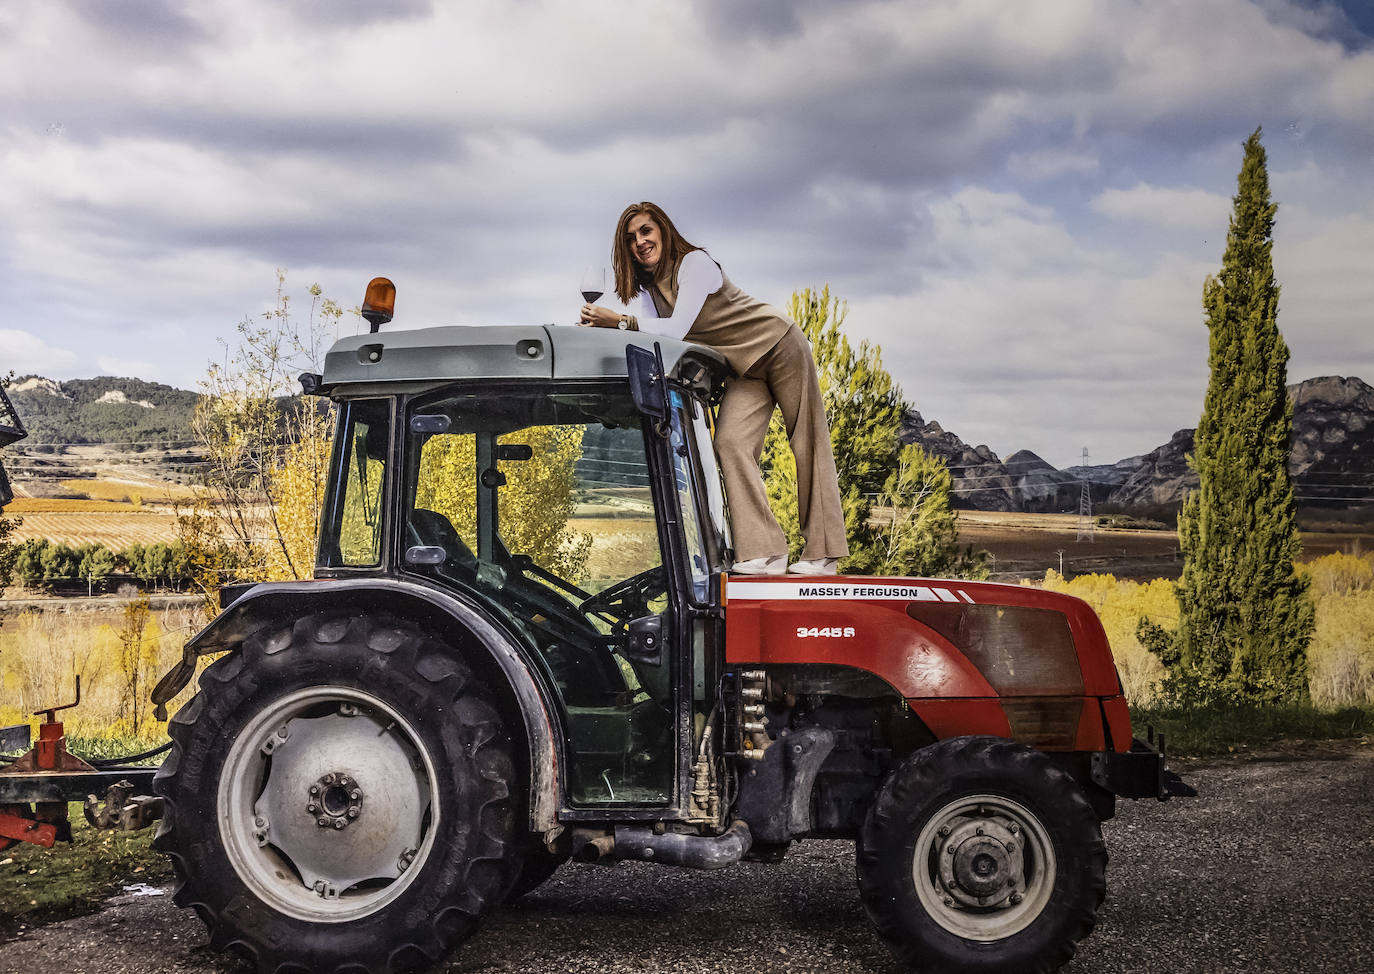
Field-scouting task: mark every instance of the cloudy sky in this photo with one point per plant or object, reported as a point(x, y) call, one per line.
point(1019, 200)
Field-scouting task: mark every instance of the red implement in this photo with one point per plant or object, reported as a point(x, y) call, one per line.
point(17, 825)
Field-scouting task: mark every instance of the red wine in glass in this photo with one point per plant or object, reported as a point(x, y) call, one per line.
point(593, 284)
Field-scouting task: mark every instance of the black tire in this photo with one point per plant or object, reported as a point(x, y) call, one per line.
point(1022, 834)
point(538, 869)
point(403, 750)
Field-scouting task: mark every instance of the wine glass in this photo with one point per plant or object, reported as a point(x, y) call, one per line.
point(593, 283)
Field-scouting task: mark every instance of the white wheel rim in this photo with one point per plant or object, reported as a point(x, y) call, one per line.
point(984, 867)
point(354, 843)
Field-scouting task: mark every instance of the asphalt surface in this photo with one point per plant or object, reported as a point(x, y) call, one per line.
point(1271, 869)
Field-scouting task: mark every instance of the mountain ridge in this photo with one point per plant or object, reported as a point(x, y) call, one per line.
point(1331, 461)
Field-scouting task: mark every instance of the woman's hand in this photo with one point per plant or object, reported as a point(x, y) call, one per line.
point(595, 316)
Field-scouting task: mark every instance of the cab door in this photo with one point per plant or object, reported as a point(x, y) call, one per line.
point(544, 503)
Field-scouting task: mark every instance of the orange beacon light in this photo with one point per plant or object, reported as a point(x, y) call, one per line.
point(379, 303)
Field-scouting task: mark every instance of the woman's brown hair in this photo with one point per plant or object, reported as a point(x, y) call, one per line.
point(630, 277)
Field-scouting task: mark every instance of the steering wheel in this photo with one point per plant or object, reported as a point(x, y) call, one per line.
point(627, 600)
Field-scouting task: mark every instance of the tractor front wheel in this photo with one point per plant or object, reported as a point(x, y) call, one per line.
point(981, 856)
point(339, 797)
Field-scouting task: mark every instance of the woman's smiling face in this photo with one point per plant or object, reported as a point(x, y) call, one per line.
point(645, 239)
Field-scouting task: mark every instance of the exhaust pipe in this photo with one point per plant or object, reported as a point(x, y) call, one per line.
point(691, 851)
point(594, 849)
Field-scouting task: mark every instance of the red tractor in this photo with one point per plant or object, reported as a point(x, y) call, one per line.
point(523, 644)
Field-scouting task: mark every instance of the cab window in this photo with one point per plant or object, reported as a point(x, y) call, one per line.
point(351, 535)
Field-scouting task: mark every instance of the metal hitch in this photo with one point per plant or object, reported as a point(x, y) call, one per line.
point(122, 809)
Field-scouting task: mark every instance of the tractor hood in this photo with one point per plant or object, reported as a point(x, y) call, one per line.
point(1016, 661)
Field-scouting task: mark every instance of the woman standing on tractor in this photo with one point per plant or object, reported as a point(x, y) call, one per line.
point(680, 292)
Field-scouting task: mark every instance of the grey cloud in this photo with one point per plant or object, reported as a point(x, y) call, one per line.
point(327, 15)
point(765, 19)
point(1350, 23)
point(150, 24)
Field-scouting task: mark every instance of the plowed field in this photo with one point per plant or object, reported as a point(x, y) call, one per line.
point(115, 529)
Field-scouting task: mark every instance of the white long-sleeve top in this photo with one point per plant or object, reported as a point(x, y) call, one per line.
point(697, 279)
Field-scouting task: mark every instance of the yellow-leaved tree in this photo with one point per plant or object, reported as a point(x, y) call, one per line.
point(535, 504)
point(266, 449)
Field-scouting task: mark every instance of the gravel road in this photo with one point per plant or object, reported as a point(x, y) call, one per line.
point(1268, 871)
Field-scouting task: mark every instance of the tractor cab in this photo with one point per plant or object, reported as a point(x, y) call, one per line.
point(577, 502)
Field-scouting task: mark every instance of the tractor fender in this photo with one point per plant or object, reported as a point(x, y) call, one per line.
point(272, 603)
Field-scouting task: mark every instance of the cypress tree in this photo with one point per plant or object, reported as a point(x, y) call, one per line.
point(1245, 614)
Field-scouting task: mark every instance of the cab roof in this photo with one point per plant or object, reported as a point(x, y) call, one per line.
point(423, 357)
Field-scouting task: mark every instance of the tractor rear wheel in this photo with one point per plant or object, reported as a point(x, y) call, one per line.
point(339, 797)
point(981, 856)
point(538, 869)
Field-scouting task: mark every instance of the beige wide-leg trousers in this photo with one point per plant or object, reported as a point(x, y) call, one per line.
point(785, 376)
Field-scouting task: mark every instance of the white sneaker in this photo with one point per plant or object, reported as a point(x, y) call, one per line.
point(818, 566)
point(774, 565)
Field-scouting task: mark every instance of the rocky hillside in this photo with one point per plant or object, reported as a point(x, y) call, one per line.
point(131, 412)
point(1332, 461)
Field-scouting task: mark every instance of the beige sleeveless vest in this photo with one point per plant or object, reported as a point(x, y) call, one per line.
point(740, 327)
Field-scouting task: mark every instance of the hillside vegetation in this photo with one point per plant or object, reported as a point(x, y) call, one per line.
point(1340, 658)
point(106, 410)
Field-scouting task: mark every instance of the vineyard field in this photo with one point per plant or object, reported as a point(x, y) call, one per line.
point(118, 489)
point(24, 506)
point(116, 527)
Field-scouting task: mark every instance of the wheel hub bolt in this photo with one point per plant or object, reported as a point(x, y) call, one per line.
point(335, 800)
point(1016, 898)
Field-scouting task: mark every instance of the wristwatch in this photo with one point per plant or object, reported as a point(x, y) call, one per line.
point(622, 324)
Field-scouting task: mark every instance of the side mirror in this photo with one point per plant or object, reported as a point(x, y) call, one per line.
point(648, 385)
point(646, 640)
